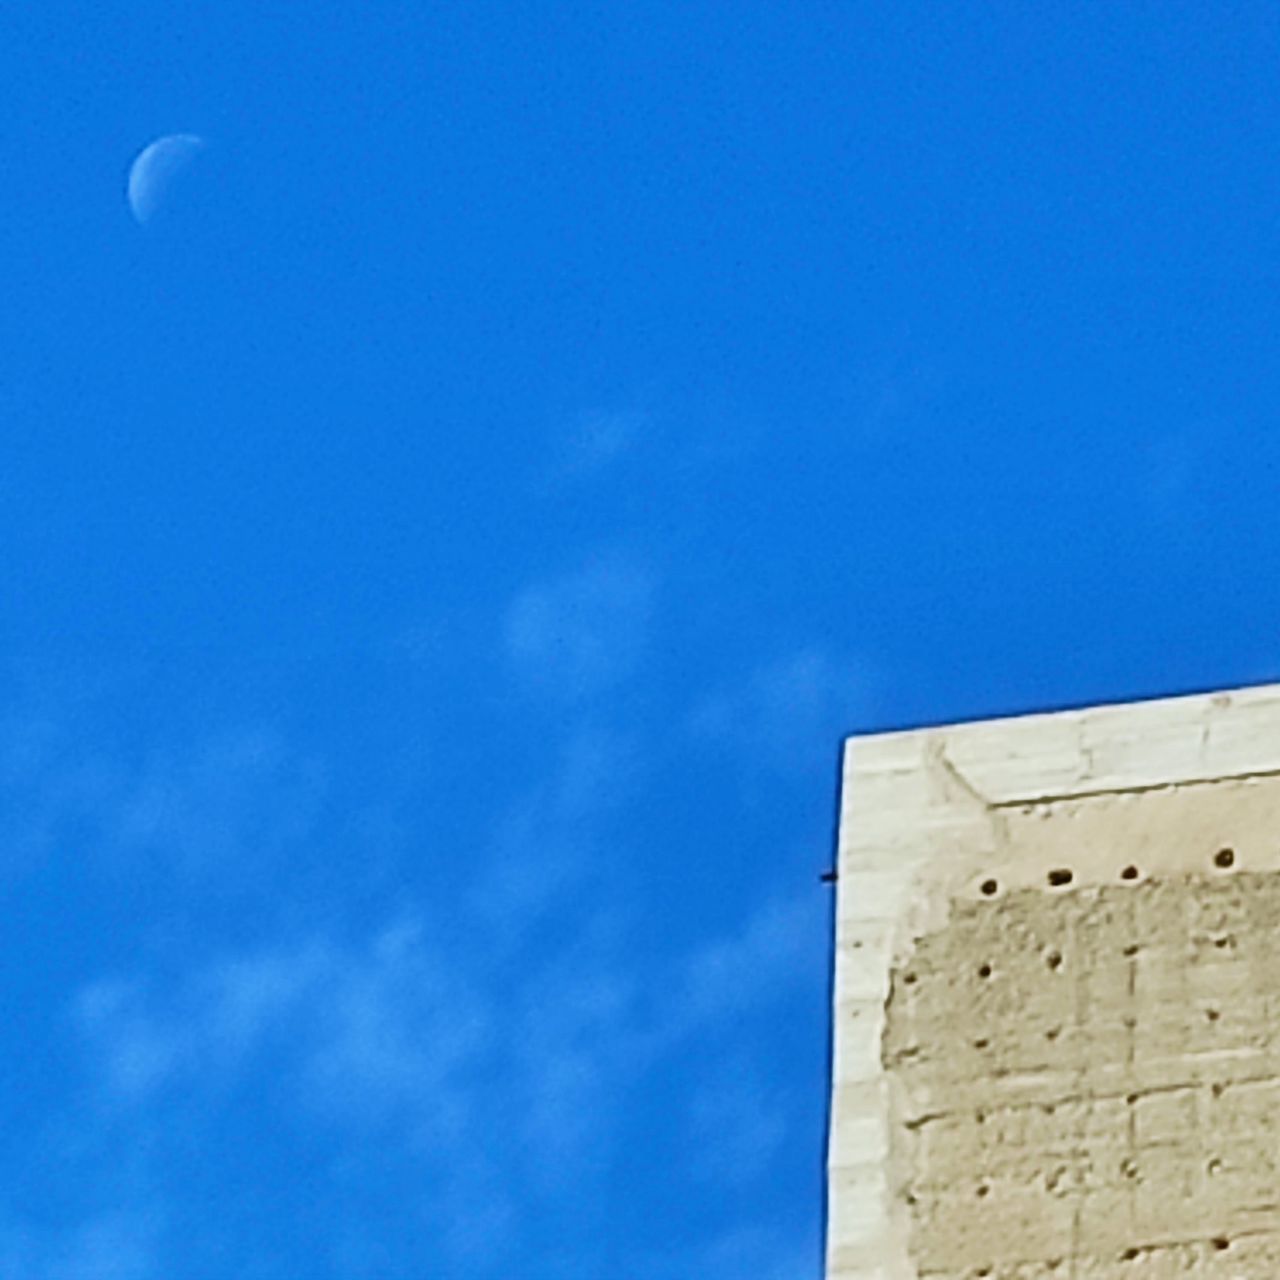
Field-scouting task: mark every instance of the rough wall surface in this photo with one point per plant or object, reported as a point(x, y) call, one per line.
point(1058, 997)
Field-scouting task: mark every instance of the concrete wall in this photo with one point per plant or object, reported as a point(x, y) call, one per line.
point(1057, 1021)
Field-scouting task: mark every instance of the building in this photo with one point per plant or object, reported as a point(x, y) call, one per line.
point(1057, 997)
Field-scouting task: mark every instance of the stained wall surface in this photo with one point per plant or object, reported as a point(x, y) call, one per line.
point(1057, 997)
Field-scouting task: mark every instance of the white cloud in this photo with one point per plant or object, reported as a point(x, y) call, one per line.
point(590, 1028)
point(48, 785)
point(138, 1054)
point(397, 1035)
point(370, 1035)
point(549, 839)
point(791, 712)
point(594, 442)
point(201, 809)
point(736, 1125)
point(506, 1068)
point(580, 634)
point(783, 942)
point(507, 1071)
point(115, 1245)
point(204, 808)
point(760, 1253)
point(510, 1081)
point(386, 1041)
point(111, 1247)
point(582, 1046)
point(743, 1251)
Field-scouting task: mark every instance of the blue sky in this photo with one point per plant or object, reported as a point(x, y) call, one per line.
point(445, 546)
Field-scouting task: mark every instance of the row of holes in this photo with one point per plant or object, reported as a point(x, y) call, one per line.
point(1131, 1254)
point(1054, 961)
point(1128, 1167)
point(1061, 877)
point(982, 1042)
point(1217, 1089)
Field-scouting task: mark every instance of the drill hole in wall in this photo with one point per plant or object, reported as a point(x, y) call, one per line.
point(984, 971)
point(1129, 873)
point(1054, 960)
point(1224, 858)
point(990, 888)
point(1060, 877)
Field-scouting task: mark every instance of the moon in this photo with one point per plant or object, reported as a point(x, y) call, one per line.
point(155, 168)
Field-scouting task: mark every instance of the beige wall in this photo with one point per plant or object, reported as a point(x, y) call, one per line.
point(1057, 979)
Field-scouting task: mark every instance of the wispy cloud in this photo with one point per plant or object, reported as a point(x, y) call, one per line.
point(241, 792)
point(790, 712)
point(505, 1053)
point(195, 809)
point(761, 1253)
point(512, 1084)
point(49, 784)
point(397, 1036)
point(781, 943)
point(115, 1245)
point(592, 443)
point(736, 1124)
point(368, 1034)
point(580, 1050)
point(740, 1251)
point(581, 633)
point(550, 838)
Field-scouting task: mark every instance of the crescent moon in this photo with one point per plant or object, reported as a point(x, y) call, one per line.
point(155, 168)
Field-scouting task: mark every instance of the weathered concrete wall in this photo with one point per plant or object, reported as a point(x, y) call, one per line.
point(1058, 997)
